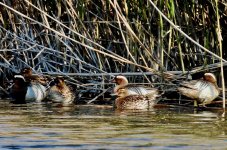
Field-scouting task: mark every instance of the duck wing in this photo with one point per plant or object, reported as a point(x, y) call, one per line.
point(139, 90)
point(195, 84)
point(152, 95)
point(192, 89)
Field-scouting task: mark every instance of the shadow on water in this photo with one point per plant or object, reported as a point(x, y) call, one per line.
point(47, 126)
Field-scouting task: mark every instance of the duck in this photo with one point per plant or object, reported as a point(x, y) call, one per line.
point(24, 91)
point(59, 92)
point(30, 77)
point(203, 90)
point(135, 101)
point(122, 83)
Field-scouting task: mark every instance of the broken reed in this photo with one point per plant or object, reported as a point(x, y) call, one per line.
point(99, 36)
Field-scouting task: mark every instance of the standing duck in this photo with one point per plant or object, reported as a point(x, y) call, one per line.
point(59, 92)
point(23, 91)
point(204, 90)
point(29, 76)
point(135, 101)
point(122, 83)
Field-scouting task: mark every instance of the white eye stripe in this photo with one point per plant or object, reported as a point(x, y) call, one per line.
point(19, 76)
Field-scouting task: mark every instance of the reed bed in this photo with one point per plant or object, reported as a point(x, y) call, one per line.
point(87, 37)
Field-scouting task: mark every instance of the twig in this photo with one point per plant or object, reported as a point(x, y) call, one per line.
point(1, 88)
point(104, 91)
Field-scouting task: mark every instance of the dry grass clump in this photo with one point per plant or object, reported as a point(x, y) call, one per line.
point(98, 36)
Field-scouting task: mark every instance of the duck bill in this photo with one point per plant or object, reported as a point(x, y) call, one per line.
point(112, 80)
point(113, 94)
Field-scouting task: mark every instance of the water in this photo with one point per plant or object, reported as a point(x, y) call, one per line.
point(36, 126)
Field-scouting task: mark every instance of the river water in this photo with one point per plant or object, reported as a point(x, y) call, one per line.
point(44, 126)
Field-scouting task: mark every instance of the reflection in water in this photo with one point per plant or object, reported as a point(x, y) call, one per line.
point(45, 126)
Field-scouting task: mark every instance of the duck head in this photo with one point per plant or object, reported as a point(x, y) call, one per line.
point(19, 89)
point(26, 71)
point(19, 80)
point(122, 93)
point(58, 81)
point(121, 81)
point(210, 77)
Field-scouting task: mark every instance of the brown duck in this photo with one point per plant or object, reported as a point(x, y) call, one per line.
point(135, 101)
point(59, 92)
point(133, 96)
point(29, 76)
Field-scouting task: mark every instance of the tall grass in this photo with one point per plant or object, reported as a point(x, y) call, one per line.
point(98, 36)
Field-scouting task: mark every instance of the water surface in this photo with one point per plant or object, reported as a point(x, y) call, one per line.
point(44, 126)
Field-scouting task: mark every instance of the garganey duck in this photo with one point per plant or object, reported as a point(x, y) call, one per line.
point(59, 92)
point(122, 83)
point(30, 77)
point(135, 101)
point(204, 90)
point(24, 91)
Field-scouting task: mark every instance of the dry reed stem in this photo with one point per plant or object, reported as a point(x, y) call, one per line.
point(220, 47)
point(184, 34)
point(89, 42)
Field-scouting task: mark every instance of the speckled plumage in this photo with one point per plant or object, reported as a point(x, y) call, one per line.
point(60, 92)
point(135, 101)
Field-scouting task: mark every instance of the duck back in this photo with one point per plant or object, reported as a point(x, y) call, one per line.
point(140, 90)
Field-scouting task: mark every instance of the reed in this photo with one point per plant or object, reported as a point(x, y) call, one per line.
point(219, 36)
point(112, 36)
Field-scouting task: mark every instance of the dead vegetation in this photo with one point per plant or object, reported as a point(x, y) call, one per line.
point(78, 39)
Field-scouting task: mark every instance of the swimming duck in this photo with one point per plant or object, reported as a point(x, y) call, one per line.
point(204, 90)
point(135, 101)
point(29, 76)
point(122, 83)
point(60, 92)
point(23, 91)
